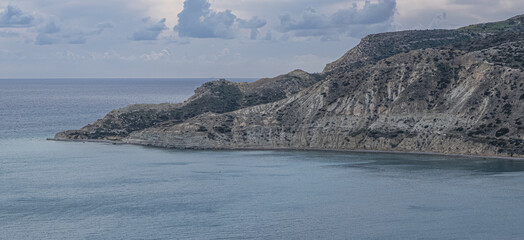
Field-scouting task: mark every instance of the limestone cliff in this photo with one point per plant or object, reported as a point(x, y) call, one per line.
point(444, 91)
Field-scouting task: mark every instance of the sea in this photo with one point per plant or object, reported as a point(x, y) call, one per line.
point(75, 190)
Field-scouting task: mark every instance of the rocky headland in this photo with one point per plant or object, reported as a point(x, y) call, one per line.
point(440, 91)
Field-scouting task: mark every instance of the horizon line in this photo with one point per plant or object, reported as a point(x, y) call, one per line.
point(88, 78)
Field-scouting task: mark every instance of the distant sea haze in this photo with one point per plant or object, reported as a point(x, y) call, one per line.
point(75, 190)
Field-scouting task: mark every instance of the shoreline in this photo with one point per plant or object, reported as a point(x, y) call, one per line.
point(87, 140)
point(486, 157)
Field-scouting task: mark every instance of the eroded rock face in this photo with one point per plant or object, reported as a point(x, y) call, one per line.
point(453, 91)
point(437, 105)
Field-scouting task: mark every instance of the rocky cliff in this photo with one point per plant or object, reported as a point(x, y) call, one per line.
point(444, 91)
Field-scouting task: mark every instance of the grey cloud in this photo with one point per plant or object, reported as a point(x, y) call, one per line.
point(53, 32)
point(310, 20)
point(150, 32)
point(370, 14)
point(198, 20)
point(269, 36)
point(50, 39)
point(14, 17)
point(8, 34)
point(103, 26)
point(45, 39)
point(75, 39)
point(50, 28)
point(48, 33)
point(254, 34)
point(254, 24)
point(373, 17)
point(471, 2)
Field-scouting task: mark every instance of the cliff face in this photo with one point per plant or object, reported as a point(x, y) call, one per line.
point(444, 91)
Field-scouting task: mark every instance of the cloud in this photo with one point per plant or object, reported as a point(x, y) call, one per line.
point(45, 29)
point(353, 21)
point(198, 20)
point(153, 55)
point(50, 39)
point(50, 28)
point(253, 24)
point(470, 2)
point(8, 34)
point(69, 55)
point(111, 54)
point(53, 31)
point(13, 17)
point(150, 32)
point(103, 26)
point(268, 36)
point(48, 33)
point(371, 13)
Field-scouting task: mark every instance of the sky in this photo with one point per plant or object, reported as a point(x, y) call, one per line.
point(209, 38)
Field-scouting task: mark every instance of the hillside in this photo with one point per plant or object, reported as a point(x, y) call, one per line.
point(218, 97)
point(444, 91)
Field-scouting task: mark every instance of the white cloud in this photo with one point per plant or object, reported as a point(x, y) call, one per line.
point(69, 55)
point(153, 55)
point(110, 55)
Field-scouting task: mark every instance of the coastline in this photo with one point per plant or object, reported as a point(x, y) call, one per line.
point(466, 156)
point(87, 140)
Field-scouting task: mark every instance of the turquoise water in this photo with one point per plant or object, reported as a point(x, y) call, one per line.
point(61, 190)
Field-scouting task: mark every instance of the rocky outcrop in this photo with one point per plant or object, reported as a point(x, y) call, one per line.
point(376, 47)
point(218, 97)
point(443, 91)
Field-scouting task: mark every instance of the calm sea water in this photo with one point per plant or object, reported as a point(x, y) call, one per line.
point(61, 190)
